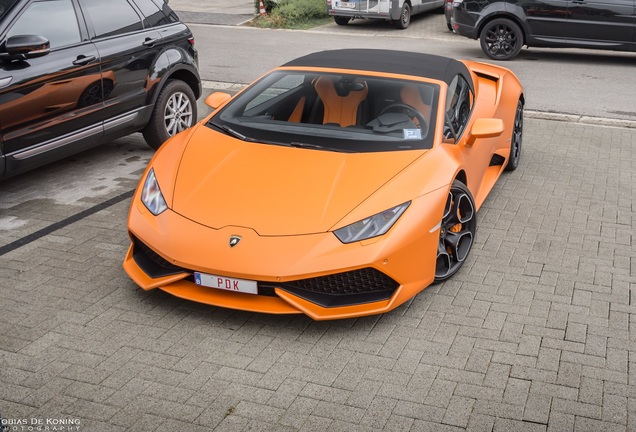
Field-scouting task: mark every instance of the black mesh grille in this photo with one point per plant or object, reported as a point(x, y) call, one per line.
point(342, 289)
point(152, 263)
point(365, 280)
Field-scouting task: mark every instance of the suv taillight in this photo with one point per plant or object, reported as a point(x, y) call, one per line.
point(191, 40)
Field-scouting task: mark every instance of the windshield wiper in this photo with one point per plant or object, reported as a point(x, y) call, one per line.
point(234, 133)
point(228, 130)
point(318, 147)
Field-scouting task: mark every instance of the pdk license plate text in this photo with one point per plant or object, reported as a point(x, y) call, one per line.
point(225, 283)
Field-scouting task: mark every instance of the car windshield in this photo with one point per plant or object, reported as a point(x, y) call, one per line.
point(334, 112)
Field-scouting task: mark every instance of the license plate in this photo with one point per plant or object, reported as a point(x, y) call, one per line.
point(226, 283)
point(346, 5)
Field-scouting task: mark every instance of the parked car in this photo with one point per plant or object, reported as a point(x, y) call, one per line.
point(338, 185)
point(448, 13)
point(75, 74)
point(397, 11)
point(504, 26)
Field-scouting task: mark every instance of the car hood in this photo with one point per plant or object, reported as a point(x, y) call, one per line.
point(276, 190)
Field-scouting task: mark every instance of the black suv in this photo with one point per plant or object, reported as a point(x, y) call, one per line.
point(77, 73)
point(504, 26)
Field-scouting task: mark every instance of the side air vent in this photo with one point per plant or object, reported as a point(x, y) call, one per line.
point(152, 263)
point(497, 160)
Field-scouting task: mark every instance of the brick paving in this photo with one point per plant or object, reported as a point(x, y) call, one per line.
point(537, 332)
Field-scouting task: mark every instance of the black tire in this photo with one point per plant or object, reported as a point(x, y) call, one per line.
point(516, 140)
point(341, 20)
point(501, 39)
point(457, 231)
point(405, 17)
point(175, 111)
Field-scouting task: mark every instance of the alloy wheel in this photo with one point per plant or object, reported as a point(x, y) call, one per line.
point(457, 231)
point(178, 113)
point(502, 40)
point(516, 139)
point(517, 132)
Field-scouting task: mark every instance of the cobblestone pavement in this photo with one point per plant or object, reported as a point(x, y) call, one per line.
point(536, 332)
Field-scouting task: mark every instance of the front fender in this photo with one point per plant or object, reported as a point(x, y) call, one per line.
point(172, 63)
point(435, 170)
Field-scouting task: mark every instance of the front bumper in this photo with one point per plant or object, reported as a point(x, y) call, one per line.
point(381, 9)
point(360, 15)
point(311, 274)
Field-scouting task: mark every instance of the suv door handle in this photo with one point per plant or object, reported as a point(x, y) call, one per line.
point(82, 60)
point(5, 81)
point(149, 42)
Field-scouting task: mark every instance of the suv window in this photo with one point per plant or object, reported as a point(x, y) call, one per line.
point(153, 15)
point(5, 5)
point(459, 103)
point(163, 5)
point(112, 18)
point(53, 19)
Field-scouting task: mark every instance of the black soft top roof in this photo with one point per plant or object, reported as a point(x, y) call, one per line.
point(390, 61)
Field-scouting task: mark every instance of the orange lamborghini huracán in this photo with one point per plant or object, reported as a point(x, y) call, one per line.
point(340, 184)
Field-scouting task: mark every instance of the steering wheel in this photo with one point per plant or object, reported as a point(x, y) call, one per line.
point(410, 111)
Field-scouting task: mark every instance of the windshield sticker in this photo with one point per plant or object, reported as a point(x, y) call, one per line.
point(412, 134)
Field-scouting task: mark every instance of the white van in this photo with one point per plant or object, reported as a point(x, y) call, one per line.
point(397, 11)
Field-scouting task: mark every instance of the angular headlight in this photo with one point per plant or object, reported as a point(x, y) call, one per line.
point(372, 226)
point(151, 195)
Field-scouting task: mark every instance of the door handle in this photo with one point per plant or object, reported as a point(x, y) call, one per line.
point(82, 60)
point(4, 82)
point(149, 42)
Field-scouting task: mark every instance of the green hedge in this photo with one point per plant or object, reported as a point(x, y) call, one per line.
point(290, 12)
point(300, 10)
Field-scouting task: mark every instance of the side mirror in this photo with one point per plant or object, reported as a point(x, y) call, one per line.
point(485, 128)
point(22, 47)
point(216, 99)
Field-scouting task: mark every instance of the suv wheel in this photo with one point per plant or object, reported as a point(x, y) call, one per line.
point(341, 20)
point(175, 111)
point(501, 39)
point(405, 17)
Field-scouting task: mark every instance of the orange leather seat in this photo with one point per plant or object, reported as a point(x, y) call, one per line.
point(410, 95)
point(340, 108)
point(296, 115)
